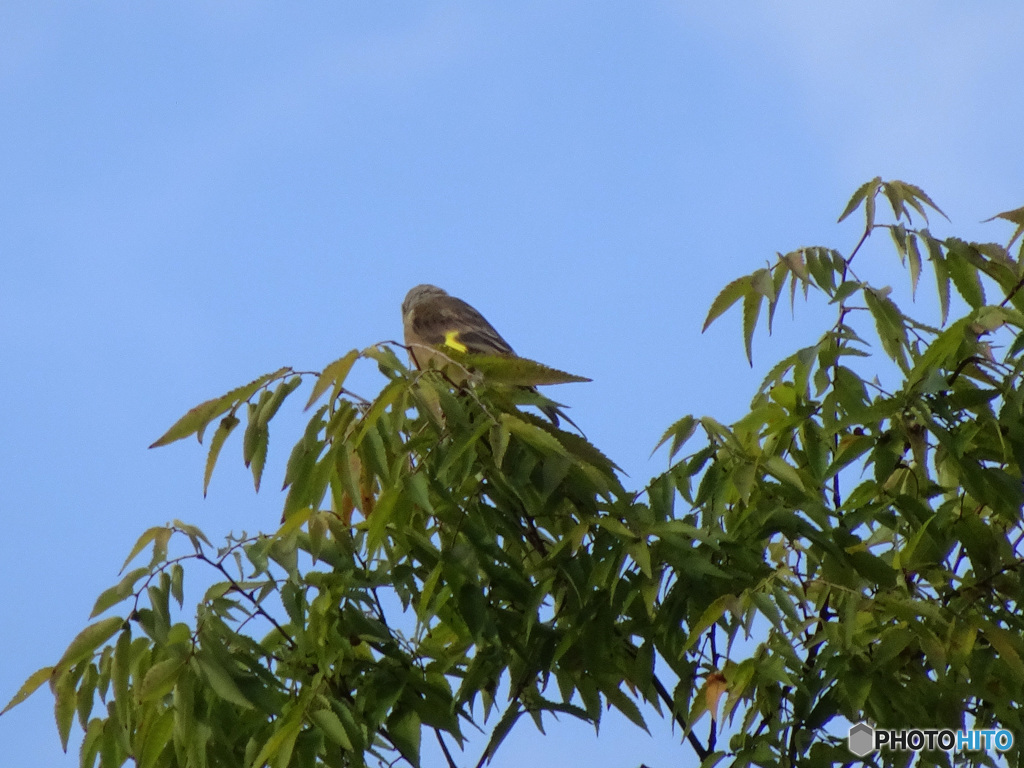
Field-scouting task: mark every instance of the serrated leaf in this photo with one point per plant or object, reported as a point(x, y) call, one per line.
point(728, 296)
point(177, 586)
point(869, 210)
point(157, 737)
point(711, 614)
point(939, 351)
point(859, 196)
point(118, 592)
point(533, 435)
point(1007, 645)
point(964, 273)
point(227, 425)
point(391, 392)
point(333, 375)
point(330, 724)
point(222, 682)
point(147, 536)
point(1015, 216)
point(845, 290)
point(911, 193)
point(780, 469)
point(404, 731)
point(278, 748)
point(914, 262)
point(197, 418)
point(514, 371)
point(86, 695)
point(894, 193)
point(679, 433)
point(888, 323)
point(259, 457)
point(194, 534)
point(274, 402)
point(751, 310)
point(504, 725)
point(30, 686)
point(938, 261)
point(159, 680)
point(65, 703)
point(625, 705)
point(88, 640)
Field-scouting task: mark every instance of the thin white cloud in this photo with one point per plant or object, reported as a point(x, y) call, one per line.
point(921, 88)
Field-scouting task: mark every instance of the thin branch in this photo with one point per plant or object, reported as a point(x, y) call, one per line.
point(219, 565)
point(666, 697)
point(444, 748)
point(863, 238)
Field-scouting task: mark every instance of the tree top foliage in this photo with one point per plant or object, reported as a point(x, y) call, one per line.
point(447, 561)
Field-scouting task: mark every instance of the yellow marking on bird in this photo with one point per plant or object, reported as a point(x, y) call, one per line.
point(451, 339)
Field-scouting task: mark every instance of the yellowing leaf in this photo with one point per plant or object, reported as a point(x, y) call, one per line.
point(197, 418)
point(714, 687)
point(334, 374)
point(88, 640)
point(29, 687)
point(516, 371)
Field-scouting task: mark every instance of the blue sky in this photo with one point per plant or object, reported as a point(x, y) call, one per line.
point(197, 193)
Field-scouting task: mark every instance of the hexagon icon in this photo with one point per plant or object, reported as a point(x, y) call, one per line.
point(861, 739)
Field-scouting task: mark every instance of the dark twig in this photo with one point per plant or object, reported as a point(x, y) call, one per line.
point(444, 748)
point(235, 586)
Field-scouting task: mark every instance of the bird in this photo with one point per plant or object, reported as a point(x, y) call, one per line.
point(433, 318)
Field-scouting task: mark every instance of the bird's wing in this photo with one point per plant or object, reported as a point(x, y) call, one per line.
point(472, 329)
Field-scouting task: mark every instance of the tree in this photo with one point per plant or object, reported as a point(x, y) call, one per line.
point(846, 551)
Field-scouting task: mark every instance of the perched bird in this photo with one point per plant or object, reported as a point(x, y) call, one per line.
point(434, 319)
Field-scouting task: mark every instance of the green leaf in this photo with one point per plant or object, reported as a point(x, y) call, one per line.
point(1015, 216)
point(330, 724)
point(86, 695)
point(277, 750)
point(751, 310)
point(504, 725)
point(274, 402)
point(941, 271)
point(911, 193)
point(256, 440)
point(177, 586)
point(1008, 646)
point(387, 397)
point(514, 371)
point(625, 705)
point(780, 469)
point(711, 614)
point(225, 428)
point(65, 703)
point(197, 418)
point(222, 682)
point(914, 262)
point(964, 273)
point(334, 374)
point(160, 679)
point(118, 592)
point(859, 196)
point(729, 295)
point(533, 435)
point(88, 640)
point(679, 432)
point(157, 737)
point(404, 731)
point(939, 352)
point(29, 687)
point(889, 324)
point(158, 534)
